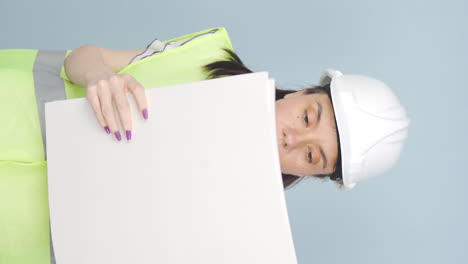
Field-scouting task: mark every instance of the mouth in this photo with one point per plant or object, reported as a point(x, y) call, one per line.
point(281, 141)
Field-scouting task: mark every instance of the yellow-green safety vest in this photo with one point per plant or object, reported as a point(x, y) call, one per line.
point(29, 79)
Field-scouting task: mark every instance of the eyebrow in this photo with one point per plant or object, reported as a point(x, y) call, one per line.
point(325, 160)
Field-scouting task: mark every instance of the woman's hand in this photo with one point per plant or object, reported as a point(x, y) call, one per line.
point(96, 69)
point(112, 88)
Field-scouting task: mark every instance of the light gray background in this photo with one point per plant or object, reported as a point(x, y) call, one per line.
point(416, 213)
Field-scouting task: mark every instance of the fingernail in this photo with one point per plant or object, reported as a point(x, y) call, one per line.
point(117, 135)
point(145, 113)
point(107, 129)
point(129, 134)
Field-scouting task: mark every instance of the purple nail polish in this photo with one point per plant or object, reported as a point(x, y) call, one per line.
point(117, 135)
point(129, 134)
point(145, 113)
point(106, 128)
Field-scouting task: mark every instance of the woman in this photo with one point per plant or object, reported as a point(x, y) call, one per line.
point(308, 140)
point(348, 128)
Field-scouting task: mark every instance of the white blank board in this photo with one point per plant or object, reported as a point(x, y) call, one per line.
point(199, 182)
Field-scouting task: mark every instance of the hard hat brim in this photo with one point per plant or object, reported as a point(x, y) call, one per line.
point(329, 77)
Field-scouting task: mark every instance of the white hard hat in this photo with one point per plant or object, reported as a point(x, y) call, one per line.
point(372, 125)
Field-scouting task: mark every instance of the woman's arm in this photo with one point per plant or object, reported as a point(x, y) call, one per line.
point(95, 68)
point(90, 63)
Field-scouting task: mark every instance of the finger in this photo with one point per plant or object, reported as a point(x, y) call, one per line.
point(139, 93)
point(123, 107)
point(107, 108)
point(96, 105)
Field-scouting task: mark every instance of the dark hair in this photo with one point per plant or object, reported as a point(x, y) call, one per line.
point(233, 65)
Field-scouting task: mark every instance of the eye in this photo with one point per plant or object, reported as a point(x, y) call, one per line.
point(309, 155)
point(306, 118)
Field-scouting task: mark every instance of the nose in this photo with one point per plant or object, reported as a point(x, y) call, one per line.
point(292, 138)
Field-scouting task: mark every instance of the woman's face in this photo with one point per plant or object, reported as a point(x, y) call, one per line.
point(306, 130)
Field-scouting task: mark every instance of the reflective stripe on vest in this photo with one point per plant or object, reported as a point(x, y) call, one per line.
point(48, 87)
point(157, 46)
point(48, 84)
